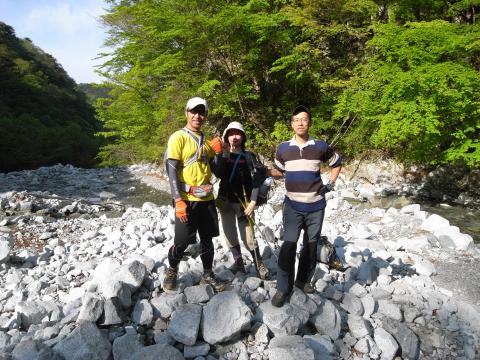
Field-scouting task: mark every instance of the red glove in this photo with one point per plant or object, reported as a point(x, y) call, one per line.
point(181, 210)
point(216, 145)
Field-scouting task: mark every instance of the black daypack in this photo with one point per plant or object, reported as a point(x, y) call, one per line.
point(326, 253)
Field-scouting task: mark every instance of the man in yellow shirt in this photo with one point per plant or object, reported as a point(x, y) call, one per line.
point(189, 162)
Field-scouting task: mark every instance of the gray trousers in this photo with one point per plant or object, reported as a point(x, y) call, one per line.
point(232, 217)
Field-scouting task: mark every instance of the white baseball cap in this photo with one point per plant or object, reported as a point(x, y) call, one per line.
point(195, 101)
point(234, 125)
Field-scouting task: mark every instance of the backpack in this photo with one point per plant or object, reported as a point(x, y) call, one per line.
point(260, 178)
point(194, 157)
point(326, 253)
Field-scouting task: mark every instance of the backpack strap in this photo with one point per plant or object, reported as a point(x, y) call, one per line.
point(249, 158)
point(232, 175)
point(200, 141)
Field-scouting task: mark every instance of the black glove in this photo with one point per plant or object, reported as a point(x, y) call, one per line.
point(326, 188)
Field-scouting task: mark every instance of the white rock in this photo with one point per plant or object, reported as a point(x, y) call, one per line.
point(410, 209)
point(386, 343)
point(92, 308)
point(450, 237)
point(434, 222)
point(142, 313)
point(358, 326)
point(424, 267)
point(416, 243)
point(389, 309)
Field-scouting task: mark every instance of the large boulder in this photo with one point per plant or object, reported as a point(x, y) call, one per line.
point(92, 307)
point(285, 320)
point(30, 313)
point(165, 304)
point(224, 317)
point(86, 342)
point(406, 338)
point(185, 322)
point(289, 347)
point(124, 346)
point(327, 319)
point(386, 343)
point(142, 313)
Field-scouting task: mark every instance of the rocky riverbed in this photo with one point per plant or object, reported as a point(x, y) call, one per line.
point(81, 272)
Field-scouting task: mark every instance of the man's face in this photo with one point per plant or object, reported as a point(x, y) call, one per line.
point(196, 117)
point(300, 123)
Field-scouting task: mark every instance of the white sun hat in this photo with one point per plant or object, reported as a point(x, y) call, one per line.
point(234, 125)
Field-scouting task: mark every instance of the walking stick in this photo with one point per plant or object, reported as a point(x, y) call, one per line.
point(253, 223)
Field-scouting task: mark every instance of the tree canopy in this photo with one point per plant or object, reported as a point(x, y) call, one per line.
point(44, 118)
point(400, 77)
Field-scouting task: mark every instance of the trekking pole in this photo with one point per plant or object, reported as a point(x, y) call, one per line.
point(252, 221)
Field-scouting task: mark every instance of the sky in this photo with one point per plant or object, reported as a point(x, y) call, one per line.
point(68, 30)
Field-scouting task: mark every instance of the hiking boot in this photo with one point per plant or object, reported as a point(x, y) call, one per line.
point(237, 266)
point(279, 299)
point(170, 280)
point(210, 279)
point(262, 270)
point(307, 288)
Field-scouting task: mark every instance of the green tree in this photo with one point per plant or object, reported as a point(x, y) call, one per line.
point(43, 117)
point(255, 59)
point(418, 95)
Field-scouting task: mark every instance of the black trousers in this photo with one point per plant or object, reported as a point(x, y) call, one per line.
point(202, 218)
point(293, 222)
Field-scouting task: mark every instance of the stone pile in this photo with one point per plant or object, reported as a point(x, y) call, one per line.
point(87, 286)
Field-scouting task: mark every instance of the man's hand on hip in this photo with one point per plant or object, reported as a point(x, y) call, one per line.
point(326, 188)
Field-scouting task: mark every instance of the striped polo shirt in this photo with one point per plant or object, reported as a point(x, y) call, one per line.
point(301, 165)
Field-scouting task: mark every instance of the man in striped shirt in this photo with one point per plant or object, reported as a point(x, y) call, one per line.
point(299, 161)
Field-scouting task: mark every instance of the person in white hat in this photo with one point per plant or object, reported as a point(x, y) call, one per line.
point(237, 197)
point(189, 167)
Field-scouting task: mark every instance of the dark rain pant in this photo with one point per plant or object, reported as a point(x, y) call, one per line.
point(202, 217)
point(293, 222)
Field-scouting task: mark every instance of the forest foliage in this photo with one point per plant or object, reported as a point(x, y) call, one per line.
point(44, 118)
point(397, 77)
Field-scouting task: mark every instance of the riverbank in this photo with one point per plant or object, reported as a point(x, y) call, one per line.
point(81, 272)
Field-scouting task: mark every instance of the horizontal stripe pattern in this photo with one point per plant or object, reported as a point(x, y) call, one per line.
point(301, 164)
point(304, 197)
point(306, 207)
